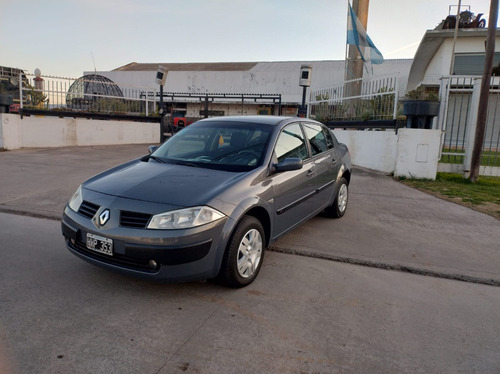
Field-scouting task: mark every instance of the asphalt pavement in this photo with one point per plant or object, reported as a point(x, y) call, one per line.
point(302, 315)
point(313, 308)
point(388, 225)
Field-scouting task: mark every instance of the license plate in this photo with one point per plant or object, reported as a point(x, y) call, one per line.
point(100, 244)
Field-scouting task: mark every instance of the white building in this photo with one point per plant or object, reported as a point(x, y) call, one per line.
point(433, 58)
point(432, 61)
point(276, 78)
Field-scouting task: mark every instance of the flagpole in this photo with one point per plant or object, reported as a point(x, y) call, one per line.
point(361, 48)
point(354, 62)
point(346, 45)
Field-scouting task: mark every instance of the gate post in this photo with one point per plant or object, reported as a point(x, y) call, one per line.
point(444, 94)
point(470, 129)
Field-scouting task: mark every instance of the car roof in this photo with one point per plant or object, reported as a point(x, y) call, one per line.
point(260, 119)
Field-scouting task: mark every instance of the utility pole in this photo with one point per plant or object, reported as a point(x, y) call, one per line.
point(484, 92)
point(455, 34)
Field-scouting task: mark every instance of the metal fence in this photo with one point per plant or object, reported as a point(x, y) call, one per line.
point(458, 118)
point(361, 99)
point(95, 94)
point(90, 93)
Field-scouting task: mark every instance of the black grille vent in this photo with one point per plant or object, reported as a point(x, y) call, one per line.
point(120, 260)
point(134, 219)
point(88, 209)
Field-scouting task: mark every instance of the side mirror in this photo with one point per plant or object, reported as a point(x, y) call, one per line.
point(152, 148)
point(288, 164)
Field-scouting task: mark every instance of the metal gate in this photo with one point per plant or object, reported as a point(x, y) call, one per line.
point(458, 118)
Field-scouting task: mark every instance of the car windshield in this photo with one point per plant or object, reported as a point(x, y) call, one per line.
point(231, 146)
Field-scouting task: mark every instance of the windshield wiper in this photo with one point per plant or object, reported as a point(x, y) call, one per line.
point(157, 159)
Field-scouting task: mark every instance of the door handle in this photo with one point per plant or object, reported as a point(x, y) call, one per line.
point(310, 172)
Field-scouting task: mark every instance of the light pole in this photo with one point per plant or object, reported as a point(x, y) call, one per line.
point(161, 77)
point(305, 81)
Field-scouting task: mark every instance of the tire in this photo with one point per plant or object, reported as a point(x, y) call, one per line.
point(339, 205)
point(244, 253)
point(481, 24)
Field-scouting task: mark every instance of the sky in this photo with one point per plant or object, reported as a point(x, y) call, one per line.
point(64, 38)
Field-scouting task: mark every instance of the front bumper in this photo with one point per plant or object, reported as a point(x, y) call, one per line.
point(164, 255)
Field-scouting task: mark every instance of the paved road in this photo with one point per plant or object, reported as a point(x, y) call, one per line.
point(304, 314)
point(59, 314)
point(388, 224)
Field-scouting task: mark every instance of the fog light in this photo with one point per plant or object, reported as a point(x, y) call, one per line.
point(152, 264)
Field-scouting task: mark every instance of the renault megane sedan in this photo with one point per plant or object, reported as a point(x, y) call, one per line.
point(210, 200)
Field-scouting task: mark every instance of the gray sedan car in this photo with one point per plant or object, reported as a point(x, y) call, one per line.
point(210, 200)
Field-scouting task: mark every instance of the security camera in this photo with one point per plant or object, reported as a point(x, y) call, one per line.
point(161, 75)
point(305, 75)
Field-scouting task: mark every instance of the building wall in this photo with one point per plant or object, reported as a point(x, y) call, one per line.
point(265, 77)
point(440, 64)
point(225, 109)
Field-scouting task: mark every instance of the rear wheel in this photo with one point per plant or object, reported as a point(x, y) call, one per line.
point(339, 206)
point(244, 254)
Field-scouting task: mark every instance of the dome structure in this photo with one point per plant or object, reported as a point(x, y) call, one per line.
point(90, 88)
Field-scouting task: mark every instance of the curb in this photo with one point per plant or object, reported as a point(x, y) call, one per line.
point(384, 266)
point(21, 212)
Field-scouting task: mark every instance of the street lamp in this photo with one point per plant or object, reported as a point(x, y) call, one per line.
point(305, 81)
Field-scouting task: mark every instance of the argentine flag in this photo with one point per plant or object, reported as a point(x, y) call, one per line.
point(356, 35)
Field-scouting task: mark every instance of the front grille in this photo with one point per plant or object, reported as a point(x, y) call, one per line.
point(88, 209)
point(134, 219)
point(116, 259)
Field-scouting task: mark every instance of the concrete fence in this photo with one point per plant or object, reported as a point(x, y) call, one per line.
point(33, 132)
point(412, 153)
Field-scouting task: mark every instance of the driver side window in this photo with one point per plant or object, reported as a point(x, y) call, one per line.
point(291, 143)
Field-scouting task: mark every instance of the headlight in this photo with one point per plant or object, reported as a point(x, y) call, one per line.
point(76, 200)
point(184, 218)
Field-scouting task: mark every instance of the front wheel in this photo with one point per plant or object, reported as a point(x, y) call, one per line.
point(244, 254)
point(339, 206)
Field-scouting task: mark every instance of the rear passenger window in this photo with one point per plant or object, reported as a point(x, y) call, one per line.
point(316, 138)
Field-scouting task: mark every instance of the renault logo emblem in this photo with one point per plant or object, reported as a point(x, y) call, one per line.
point(104, 217)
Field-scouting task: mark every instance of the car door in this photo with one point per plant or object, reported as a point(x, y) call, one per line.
point(326, 163)
point(292, 189)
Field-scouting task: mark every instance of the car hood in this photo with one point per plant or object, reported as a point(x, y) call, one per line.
point(170, 184)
